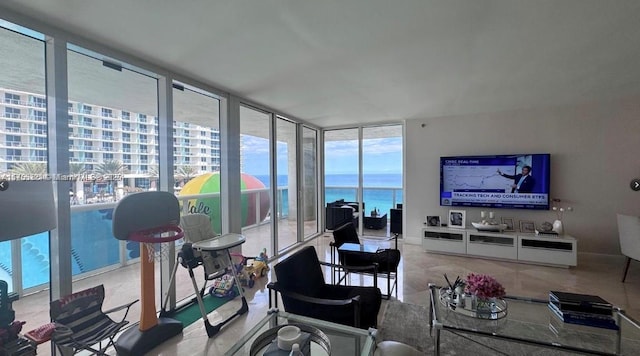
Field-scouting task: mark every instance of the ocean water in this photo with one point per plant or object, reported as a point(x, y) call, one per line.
point(387, 180)
point(381, 191)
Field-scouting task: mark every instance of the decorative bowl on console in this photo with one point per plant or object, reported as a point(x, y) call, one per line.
point(489, 227)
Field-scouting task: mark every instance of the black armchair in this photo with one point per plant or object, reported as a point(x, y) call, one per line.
point(386, 260)
point(301, 284)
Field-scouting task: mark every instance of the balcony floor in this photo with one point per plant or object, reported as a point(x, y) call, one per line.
point(595, 274)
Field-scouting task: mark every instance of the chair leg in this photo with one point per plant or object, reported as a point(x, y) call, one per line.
point(626, 269)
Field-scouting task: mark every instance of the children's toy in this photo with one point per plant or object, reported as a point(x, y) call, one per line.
point(246, 273)
point(240, 264)
point(223, 287)
point(259, 266)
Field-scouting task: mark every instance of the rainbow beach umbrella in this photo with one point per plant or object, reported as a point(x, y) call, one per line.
point(210, 183)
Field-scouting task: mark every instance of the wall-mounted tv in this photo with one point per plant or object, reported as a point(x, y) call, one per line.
point(517, 181)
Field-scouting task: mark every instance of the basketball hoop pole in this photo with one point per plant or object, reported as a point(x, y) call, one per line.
point(148, 318)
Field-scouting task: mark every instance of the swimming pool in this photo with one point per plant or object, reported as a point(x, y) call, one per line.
point(92, 247)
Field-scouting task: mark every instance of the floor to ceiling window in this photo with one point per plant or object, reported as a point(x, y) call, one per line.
point(255, 167)
point(381, 175)
point(113, 137)
point(23, 144)
point(341, 168)
point(196, 159)
point(287, 192)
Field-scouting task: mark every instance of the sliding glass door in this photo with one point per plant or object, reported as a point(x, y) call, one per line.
point(287, 191)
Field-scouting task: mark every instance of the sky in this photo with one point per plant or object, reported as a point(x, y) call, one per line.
point(382, 155)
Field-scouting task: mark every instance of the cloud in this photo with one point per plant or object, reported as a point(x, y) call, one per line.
point(254, 145)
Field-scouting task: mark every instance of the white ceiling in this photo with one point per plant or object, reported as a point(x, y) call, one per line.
point(340, 62)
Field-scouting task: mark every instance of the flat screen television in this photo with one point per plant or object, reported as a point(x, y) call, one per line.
point(496, 181)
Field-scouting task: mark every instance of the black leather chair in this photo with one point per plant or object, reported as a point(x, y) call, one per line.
point(385, 260)
point(301, 284)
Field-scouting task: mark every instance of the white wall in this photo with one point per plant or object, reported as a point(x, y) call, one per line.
point(595, 152)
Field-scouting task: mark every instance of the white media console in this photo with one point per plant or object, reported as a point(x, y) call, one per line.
point(520, 247)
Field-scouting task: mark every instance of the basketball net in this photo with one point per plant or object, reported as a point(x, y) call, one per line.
point(157, 251)
point(158, 241)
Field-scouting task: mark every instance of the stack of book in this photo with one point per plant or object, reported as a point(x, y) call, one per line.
point(582, 309)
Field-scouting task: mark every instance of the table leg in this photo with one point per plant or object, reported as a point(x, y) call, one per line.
point(618, 334)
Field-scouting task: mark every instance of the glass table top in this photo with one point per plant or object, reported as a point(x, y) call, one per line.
point(351, 247)
point(344, 340)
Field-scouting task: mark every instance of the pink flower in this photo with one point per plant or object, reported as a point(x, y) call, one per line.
point(484, 286)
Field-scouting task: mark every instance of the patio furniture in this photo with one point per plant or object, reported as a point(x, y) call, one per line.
point(378, 222)
point(340, 212)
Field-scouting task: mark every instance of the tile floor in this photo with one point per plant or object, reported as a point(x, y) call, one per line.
point(595, 274)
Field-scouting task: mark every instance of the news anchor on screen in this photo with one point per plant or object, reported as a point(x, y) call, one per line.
point(523, 182)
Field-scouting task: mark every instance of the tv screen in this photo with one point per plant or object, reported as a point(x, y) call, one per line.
point(518, 181)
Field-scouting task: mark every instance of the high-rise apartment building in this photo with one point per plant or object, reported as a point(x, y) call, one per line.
point(99, 134)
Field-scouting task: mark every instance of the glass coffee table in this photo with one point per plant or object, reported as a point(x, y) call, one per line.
point(531, 322)
point(344, 340)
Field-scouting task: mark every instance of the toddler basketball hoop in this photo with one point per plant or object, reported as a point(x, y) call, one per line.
point(151, 218)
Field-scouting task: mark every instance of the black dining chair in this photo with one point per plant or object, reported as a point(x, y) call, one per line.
point(385, 260)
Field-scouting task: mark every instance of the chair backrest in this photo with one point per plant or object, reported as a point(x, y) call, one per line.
point(396, 221)
point(79, 311)
point(301, 272)
point(629, 232)
point(345, 234)
point(197, 227)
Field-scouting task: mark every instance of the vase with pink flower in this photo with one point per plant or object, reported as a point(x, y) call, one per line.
point(487, 293)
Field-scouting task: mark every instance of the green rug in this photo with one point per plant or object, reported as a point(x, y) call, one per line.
point(191, 312)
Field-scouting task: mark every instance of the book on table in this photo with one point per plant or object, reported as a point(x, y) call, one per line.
point(586, 319)
point(583, 303)
point(560, 328)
